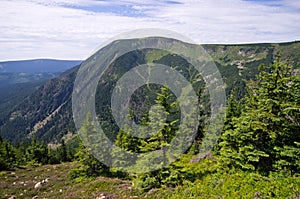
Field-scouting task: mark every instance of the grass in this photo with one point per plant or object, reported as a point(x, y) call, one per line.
point(207, 184)
point(238, 185)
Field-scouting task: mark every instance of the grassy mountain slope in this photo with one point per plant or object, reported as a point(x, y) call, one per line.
point(21, 182)
point(47, 112)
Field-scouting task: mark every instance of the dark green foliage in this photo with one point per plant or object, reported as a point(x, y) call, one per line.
point(63, 151)
point(165, 105)
point(7, 155)
point(34, 153)
point(288, 158)
point(262, 136)
point(89, 165)
point(154, 140)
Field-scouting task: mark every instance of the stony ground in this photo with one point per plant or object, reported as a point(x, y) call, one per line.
point(51, 181)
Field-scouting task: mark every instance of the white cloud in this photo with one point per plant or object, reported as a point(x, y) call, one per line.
point(59, 29)
point(234, 21)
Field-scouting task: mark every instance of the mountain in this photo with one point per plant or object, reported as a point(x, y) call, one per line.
point(19, 79)
point(37, 66)
point(28, 74)
point(47, 113)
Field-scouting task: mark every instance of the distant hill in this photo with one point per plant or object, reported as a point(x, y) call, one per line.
point(47, 113)
point(15, 72)
point(19, 79)
point(37, 66)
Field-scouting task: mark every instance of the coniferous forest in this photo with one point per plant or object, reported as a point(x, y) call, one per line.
point(257, 155)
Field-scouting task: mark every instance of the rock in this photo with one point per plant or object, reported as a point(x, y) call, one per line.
point(46, 180)
point(35, 197)
point(38, 185)
point(102, 196)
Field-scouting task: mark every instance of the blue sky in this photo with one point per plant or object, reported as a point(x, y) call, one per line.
point(73, 29)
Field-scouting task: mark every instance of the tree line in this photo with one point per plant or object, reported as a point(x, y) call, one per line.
point(33, 152)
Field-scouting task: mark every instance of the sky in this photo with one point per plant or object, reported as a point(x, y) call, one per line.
point(73, 29)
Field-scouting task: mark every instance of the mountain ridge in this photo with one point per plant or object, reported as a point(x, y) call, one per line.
point(37, 66)
point(236, 64)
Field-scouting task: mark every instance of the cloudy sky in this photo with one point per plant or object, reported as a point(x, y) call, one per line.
point(73, 29)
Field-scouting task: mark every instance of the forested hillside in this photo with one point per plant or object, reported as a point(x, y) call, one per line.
point(47, 112)
point(257, 156)
point(19, 79)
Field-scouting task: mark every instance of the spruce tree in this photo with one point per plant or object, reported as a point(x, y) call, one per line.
point(159, 140)
point(7, 155)
point(37, 153)
point(63, 155)
point(163, 120)
point(268, 121)
point(89, 164)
